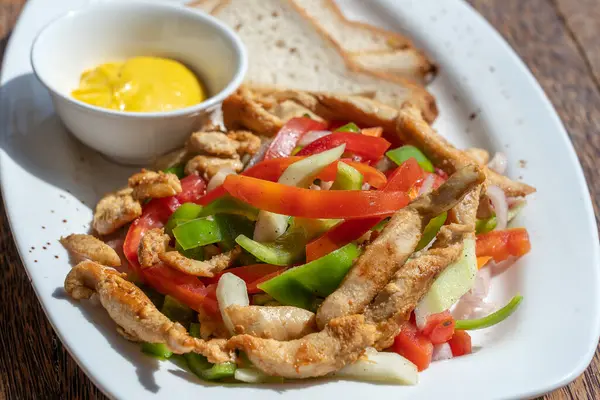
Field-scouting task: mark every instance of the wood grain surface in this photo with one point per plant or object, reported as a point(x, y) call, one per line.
point(557, 39)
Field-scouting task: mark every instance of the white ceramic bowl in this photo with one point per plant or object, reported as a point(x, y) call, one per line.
point(115, 31)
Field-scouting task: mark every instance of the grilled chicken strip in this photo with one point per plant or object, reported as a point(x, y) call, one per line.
point(390, 250)
point(279, 323)
point(413, 129)
point(341, 342)
point(411, 282)
point(91, 248)
point(153, 243)
point(150, 184)
point(115, 210)
point(207, 269)
point(135, 314)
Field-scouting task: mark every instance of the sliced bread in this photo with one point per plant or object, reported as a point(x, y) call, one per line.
point(371, 47)
point(287, 50)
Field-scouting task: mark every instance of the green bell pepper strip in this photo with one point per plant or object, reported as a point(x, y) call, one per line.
point(178, 170)
point(176, 311)
point(156, 298)
point(231, 227)
point(300, 286)
point(381, 224)
point(197, 253)
point(401, 154)
point(196, 363)
point(348, 178)
point(350, 127)
point(219, 371)
point(492, 319)
point(489, 224)
point(296, 150)
point(285, 250)
point(197, 232)
point(157, 350)
point(184, 213)
point(230, 205)
point(432, 228)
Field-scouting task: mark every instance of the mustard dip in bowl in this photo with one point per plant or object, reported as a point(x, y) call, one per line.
point(134, 79)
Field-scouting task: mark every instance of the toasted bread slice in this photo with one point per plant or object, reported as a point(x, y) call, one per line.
point(288, 50)
point(371, 47)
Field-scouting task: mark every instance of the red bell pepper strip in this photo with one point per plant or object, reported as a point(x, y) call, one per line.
point(298, 202)
point(402, 179)
point(439, 328)
point(502, 244)
point(286, 139)
point(367, 147)
point(414, 346)
point(193, 188)
point(253, 287)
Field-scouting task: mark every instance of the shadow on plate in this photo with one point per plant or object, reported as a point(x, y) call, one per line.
point(35, 139)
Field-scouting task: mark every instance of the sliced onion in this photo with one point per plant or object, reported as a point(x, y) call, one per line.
point(427, 185)
point(498, 199)
point(381, 367)
point(260, 154)
point(251, 375)
point(231, 290)
point(498, 163)
point(311, 136)
point(385, 164)
point(474, 299)
point(441, 352)
point(219, 178)
point(314, 187)
point(365, 186)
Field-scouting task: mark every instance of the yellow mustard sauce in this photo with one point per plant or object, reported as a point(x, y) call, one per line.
point(140, 84)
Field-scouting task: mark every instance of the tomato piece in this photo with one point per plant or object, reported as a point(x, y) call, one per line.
point(286, 139)
point(248, 273)
point(367, 147)
point(253, 287)
point(460, 343)
point(405, 176)
point(193, 188)
point(502, 244)
point(414, 346)
point(375, 132)
point(298, 202)
point(439, 327)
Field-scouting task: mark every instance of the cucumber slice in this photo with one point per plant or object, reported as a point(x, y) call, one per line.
point(456, 280)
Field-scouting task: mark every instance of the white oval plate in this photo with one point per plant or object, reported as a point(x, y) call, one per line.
point(49, 180)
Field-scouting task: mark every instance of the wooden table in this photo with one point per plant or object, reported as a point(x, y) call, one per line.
point(558, 39)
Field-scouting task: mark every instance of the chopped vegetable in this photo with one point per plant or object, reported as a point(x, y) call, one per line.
point(381, 367)
point(248, 273)
point(460, 343)
point(492, 319)
point(404, 177)
point(197, 232)
point(232, 226)
point(231, 290)
point(270, 226)
point(287, 200)
point(298, 286)
point(349, 127)
point(197, 253)
point(219, 371)
point(502, 244)
point(252, 375)
point(158, 350)
point(376, 132)
point(489, 224)
point(348, 178)
point(404, 153)
point(285, 250)
point(192, 189)
point(456, 280)
point(368, 147)
point(414, 346)
point(229, 205)
point(178, 170)
point(288, 136)
point(197, 363)
point(177, 311)
point(184, 213)
point(431, 230)
point(481, 261)
point(439, 327)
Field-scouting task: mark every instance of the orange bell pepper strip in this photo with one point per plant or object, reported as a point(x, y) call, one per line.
point(402, 179)
point(502, 244)
point(306, 203)
point(481, 261)
point(375, 132)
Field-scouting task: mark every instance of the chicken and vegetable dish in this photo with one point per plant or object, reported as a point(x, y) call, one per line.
point(312, 235)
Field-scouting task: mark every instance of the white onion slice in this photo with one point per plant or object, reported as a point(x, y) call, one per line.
point(441, 352)
point(231, 290)
point(427, 185)
point(219, 178)
point(260, 154)
point(311, 136)
point(326, 185)
point(385, 164)
point(381, 367)
point(498, 163)
point(498, 199)
point(251, 375)
point(474, 299)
